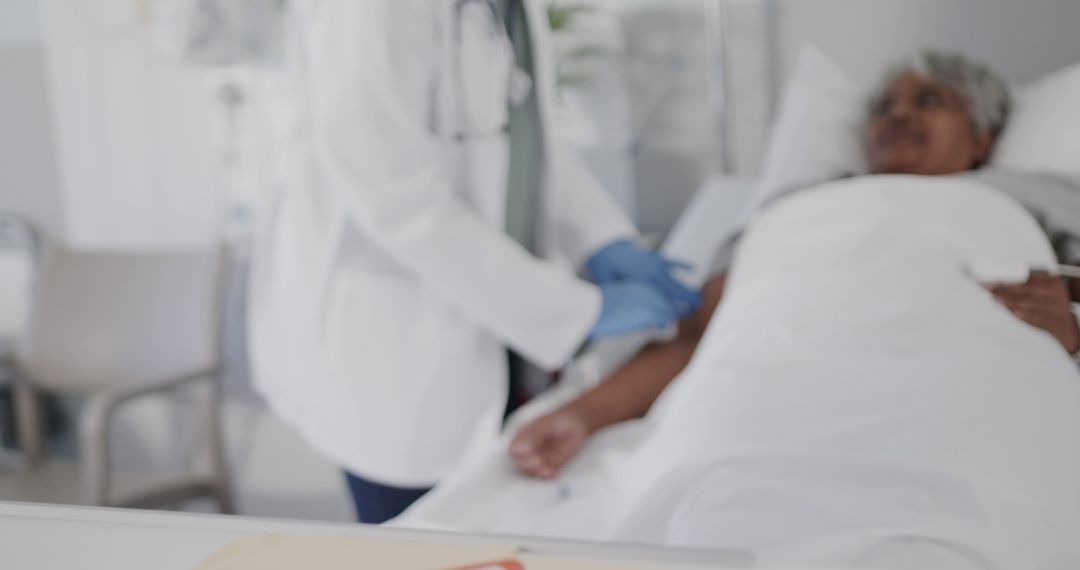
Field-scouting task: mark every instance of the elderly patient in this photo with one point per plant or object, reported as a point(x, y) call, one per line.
point(867, 395)
point(938, 115)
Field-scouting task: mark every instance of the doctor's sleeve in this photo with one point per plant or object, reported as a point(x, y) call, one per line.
point(374, 66)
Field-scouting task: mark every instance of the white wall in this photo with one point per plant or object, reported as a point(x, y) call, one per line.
point(139, 162)
point(104, 142)
point(28, 178)
point(668, 90)
point(594, 117)
point(18, 22)
point(28, 181)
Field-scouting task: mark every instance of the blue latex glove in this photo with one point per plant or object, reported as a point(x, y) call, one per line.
point(624, 260)
point(632, 306)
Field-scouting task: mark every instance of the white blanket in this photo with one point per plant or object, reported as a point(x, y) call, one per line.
point(859, 399)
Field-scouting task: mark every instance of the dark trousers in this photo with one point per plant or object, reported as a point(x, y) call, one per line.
point(377, 503)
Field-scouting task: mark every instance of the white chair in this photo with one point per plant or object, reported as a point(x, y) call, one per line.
point(116, 328)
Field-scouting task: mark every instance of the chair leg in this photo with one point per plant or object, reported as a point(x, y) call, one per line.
point(95, 472)
point(219, 466)
point(28, 422)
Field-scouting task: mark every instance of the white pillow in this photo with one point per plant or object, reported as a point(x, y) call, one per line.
point(818, 132)
point(1044, 132)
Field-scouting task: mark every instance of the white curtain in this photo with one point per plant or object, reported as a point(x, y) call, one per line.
point(139, 151)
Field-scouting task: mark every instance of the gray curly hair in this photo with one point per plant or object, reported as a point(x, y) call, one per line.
point(987, 95)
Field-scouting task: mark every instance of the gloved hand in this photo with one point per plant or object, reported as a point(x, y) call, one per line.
point(632, 306)
point(624, 260)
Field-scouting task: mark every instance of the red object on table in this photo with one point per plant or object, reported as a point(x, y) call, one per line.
point(495, 565)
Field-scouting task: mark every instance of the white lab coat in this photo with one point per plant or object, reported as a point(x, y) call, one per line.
point(384, 290)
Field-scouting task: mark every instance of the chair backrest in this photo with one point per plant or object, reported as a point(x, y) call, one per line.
point(18, 232)
point(20, 243)
point(104, 319)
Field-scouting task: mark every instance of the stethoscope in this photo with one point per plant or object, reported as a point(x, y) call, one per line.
point(520, 82)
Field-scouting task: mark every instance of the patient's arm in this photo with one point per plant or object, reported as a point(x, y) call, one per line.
point(544, 446)
point(1043, 302)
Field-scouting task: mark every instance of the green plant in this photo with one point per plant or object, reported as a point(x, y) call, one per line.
point(571, 62)
point(561, 16)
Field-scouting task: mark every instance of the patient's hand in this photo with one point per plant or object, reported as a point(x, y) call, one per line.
point(1043, 302)
point(545, 445)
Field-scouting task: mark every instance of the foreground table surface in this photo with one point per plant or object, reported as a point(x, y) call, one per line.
point(50, 537)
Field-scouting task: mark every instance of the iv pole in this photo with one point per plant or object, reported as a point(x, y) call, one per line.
point(719, 96)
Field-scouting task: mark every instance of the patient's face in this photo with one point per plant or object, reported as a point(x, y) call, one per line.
point(922, 127)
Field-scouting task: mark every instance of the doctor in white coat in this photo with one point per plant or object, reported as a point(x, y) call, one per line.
point(407, 250)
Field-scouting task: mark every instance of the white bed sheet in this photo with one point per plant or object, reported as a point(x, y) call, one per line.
point(859, 399)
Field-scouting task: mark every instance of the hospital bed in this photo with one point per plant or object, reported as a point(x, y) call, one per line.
point(725, 203)
point(825, 408)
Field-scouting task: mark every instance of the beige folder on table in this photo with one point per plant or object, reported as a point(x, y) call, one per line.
point(272, 552)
